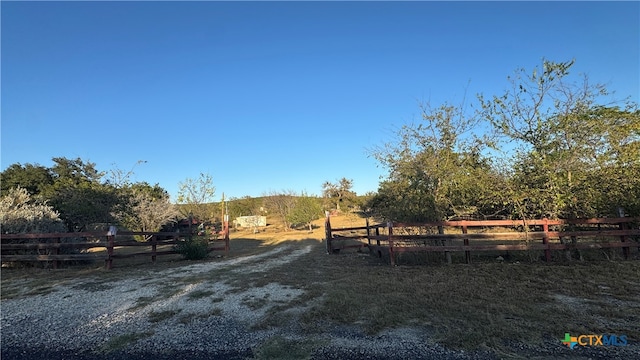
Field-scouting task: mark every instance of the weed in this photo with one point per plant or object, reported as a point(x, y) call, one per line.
point(199, 294)
point(121, 341)
point(158, 316)
point(279, 347)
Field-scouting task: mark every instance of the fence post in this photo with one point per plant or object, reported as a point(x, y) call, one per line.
point(447, 254)
point(545, 239)
point(111, 234)
point(154, 247)
point(226, 235)
point(392, 259)
point(623, 238)
point(368, 232)
point(56, 251)
point(327, 230)
point(467, 253)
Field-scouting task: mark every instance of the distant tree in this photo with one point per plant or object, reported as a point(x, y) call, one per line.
point(281, 203)
point(33, 178)
point(195, 195)
point(338, 193)
point(305, 210)
point(245, 206)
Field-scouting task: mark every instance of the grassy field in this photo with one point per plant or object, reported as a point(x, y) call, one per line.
point(503, 307)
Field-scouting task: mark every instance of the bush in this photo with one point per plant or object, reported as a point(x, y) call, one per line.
point(21, 214)
point(194, 248)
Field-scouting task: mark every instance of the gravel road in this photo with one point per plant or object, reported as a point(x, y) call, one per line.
point(160, 317)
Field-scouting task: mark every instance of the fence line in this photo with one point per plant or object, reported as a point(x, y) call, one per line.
point(52, 243)
point(537, 235)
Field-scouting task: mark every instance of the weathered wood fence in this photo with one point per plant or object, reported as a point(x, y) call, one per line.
point(49, 245)
point(388, 240)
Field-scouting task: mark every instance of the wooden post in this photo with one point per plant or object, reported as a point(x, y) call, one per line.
point(56, 251)
point(368, 232)
point(377, 236)
point(327, 231)
point(467, 253)
point(392, 259)
point(623, 238)
point(154, 247)
point(447, 254)
point(111, 234)
point(545, 239)
point(225, 226)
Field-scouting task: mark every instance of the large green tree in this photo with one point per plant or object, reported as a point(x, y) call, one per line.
point(305, 210)
point(31, 177)
point(571, 152)
point(437, 169)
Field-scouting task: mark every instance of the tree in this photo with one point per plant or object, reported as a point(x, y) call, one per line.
point(338, 193)
point(33, 178)
point(20, 213)
point(281, 203)
point(150, 213)
point(563, 138)
point(146, 207)
point(436, 168)
point(80, 197)
point(305, 210)
point(245, 206)
point(194, 195)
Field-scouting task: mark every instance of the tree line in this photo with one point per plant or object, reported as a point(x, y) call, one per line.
point(549, 146)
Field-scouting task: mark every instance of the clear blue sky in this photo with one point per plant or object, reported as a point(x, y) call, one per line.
point(270, 96)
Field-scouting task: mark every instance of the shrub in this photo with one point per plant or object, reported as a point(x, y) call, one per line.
point(194, 248)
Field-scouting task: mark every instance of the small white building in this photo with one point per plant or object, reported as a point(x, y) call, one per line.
point(251, 221)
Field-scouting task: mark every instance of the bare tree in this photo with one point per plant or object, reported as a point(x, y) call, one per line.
point(281, 204)
point(151, 213)
point(195, 194)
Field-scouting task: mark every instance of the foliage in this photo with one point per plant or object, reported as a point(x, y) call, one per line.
point(20, 213)
point(305, 210)
point(572, 152)
point(281, 204)
point(193, 248)
point(194, 196)
point(245, 206)
point(148, 213)
point(33, 178)
point(436, 168)
point(338, 193)
point(553, 151)
point(75, 190)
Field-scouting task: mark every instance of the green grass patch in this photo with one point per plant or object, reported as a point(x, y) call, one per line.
point(122, 341)
point(199, 294)
point(281, 348)
point(158, 316)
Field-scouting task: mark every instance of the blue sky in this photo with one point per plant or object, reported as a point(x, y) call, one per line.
point(271, 96)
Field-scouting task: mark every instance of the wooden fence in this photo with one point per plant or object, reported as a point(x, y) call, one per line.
point(388, 240)
point(48, 245)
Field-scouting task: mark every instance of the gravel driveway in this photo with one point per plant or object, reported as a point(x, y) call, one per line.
point(159, 316)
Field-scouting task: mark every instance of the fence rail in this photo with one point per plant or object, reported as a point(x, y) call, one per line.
point(52, 244)
point(541, 235)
